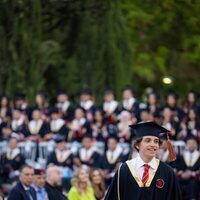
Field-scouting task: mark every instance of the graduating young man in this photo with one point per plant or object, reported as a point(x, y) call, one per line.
point(145, 177)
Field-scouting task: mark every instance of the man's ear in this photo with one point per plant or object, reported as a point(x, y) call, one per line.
point(137, 147)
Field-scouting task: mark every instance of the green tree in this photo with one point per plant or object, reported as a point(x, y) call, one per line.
point(165, 37)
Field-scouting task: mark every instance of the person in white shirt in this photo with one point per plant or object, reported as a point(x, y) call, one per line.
point(145, 177)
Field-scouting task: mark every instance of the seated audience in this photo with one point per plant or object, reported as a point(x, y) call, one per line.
point(81, 186)
point(98, 183)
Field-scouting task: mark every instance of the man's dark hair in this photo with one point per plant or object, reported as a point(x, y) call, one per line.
point(24, 166)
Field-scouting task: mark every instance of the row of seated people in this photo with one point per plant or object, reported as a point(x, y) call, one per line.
point(38, 129)
point(186, 166)
point(63, 155)
point(43, 121)
point(36, 184)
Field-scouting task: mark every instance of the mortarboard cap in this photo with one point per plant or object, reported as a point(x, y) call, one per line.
point(108, 91)
point(54, 110)
point(191, 137)
point(148, 129)
point(87, 136)
point(20, 96)
point(152, 129)
point(61, 92)
point(59, 138)
point(114, 137)
point(86, 91)
point(42, 93)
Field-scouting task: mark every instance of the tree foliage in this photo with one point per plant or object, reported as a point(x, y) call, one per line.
point(65, 45)
point(166, 41)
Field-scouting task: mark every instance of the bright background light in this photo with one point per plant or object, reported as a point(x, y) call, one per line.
point(167, 80)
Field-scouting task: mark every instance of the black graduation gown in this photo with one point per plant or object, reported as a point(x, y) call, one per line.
point(68, 162)
point(8, 165)
point(92, 161)
point(163, 185)
point(134, 109)
point(44, 129)
point(110, 168)
point(106, 165)
point(21, 129)
point(68, 115)
point(190, 187)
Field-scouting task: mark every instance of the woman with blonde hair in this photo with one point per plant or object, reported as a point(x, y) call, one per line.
point(81, 187)
point(98, 183)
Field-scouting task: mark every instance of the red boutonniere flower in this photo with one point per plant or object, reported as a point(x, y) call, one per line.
point(160, 183)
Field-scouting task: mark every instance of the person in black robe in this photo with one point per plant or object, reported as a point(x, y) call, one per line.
point(111, 159)
point(110, 107)
point(87, 154)
point(187, 168)
point(79, 127)
point(87, 103)
point(145, 177)
point(130, 102)
point(65, 107)
point(172, 103)
point(18, 124)
point(10, 162)
point(57, 125)
point(62, 156)
point(37, 128)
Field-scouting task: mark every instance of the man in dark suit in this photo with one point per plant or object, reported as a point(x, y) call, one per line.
point(23, 190)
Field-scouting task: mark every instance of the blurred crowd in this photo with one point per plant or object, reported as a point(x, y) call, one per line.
point(72, 149)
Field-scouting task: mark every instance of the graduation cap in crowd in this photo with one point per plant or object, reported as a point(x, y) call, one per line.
point(112, 129)
point(54, 110)
point(20, 96)
point(61, 92)
point(173, 94)
point(59, 138)
point(191, 137)
point(109, 91)
point(114, 137)
point(88, 136)
point(86, 91)
point(129, 88)
point(152, 129)
point(43, 94)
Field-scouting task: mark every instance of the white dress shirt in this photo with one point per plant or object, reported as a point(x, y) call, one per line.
point(138, 165)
